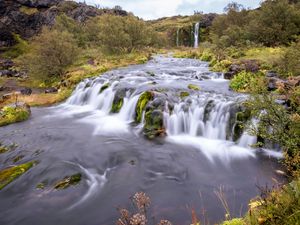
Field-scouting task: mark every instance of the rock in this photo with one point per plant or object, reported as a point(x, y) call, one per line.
point(208, 108)
point(229, 75)
point(6, 64)
point(8, 175)
point(26, 91)
point(154, 124)
point(184, 94)
point(68, 181)
point(271, 74)
point(51, 90)
point(251, 66)
point(7, 73)
point(272, 86)
point(104, 87)
point(118, 101)
point(193, 87)
point(141, 105)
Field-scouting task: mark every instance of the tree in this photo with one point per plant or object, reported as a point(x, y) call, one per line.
point(276, 22)
point(50, 54)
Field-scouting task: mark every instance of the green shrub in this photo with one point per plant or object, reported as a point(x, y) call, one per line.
point(236, 221)
point(50, 54)
point(222, 66)
point(18, 49)
point(207, 55)
point(289, 64)
point(244, 81)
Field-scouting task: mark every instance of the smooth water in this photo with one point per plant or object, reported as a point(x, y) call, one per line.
point(180, 172)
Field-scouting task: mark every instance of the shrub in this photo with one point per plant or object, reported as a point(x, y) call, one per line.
point(244, 81)
point(50, 54)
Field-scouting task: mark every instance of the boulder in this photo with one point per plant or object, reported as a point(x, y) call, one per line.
point(6, 64)
point(26, 91)
point(51, 90)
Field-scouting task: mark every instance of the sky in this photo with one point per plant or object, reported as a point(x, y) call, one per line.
point(154, 9)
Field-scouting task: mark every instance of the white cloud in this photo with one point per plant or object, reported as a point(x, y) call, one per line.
point(152, 9)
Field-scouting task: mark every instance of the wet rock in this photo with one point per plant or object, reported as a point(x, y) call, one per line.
point(68, 181)
point(193, 87)
point(118, 101)
point(208, 108)
point(229, 75)
point(14, 113)
point(104, 87)
point(26, 91)
point(51, 90)
point(8, 175)
point(154, 125)
point(141, 105)
point(184, 94)
point(251, 66)
point(241, 119)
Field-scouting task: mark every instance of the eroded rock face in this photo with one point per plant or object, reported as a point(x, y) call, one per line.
point(27, 17)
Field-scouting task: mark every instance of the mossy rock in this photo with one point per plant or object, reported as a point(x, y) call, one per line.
point(118, 101)
point(104, 87)
point(68, 181)
point(13, 114)
point(141, 104)
point(154, 124)
point(10, 174)
point(193, 87)
point(184, 94)
point(236, 221)
point(208, 108)
point(3, 149)
point(238, 130)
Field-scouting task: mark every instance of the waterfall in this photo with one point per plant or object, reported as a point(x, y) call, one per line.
point(204, 119)
point(196, 35)
point(177, 37)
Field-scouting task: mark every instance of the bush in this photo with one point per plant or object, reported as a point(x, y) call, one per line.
point(245, 81)
point(289, 64)
point(50, 54)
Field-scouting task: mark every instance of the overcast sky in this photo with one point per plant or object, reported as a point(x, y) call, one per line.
point(153, 9)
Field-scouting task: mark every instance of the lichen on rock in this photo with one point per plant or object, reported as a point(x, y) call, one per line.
point(194, 87)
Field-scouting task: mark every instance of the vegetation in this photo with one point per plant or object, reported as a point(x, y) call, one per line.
point(13, 114)
point(10, 174)
point(142, 102)
point(67, 182)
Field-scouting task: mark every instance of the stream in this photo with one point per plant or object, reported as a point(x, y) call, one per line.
point(197, 153)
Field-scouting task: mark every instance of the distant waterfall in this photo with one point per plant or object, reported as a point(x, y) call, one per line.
point(196, 35)
point(177, 37)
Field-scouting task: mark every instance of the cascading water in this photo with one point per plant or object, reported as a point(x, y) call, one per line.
point(204, 119)
point(196, 35)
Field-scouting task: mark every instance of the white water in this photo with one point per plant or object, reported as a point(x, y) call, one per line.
point(202, 120)
point(196, 35)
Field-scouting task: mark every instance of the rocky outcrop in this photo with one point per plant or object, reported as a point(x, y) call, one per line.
point(27, 17)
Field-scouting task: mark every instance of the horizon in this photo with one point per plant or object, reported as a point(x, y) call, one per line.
point(155, 9)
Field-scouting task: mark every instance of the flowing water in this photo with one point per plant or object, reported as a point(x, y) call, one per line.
point(196, 35)
point(180, 172)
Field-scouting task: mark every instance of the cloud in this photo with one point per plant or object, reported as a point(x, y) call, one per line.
point(153, 9)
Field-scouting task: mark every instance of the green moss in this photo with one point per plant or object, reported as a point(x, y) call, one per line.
point(10, 115)
point(18, 158)
point(142, 60)
point(117, 105)
point(142, 102)
point(104, 87)
point(40, 186)
point(10, 174)
point(193, 87)
point(184, 94)
point(236, 221)
point(221, 66)
point(154, 124)
point(3, 149)
point(244, 81)
point(68, 181)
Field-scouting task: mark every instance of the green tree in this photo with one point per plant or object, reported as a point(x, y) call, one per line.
point(50, 54)
point(276, 22)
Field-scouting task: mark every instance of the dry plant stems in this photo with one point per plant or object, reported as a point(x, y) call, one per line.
point(221, 196)
point(141, 201)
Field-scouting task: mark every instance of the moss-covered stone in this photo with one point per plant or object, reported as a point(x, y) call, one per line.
point(184, 94)
point(68, 181)
point(193, 87)
point(208, 108)
point(3, 149)
point(154, 125)
point(14, 114)
point(241, 119)
point(104, 87)
point(118, 101)
point(142, 103)
point(40, 186)
point(10, 174)
point(18, 158)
